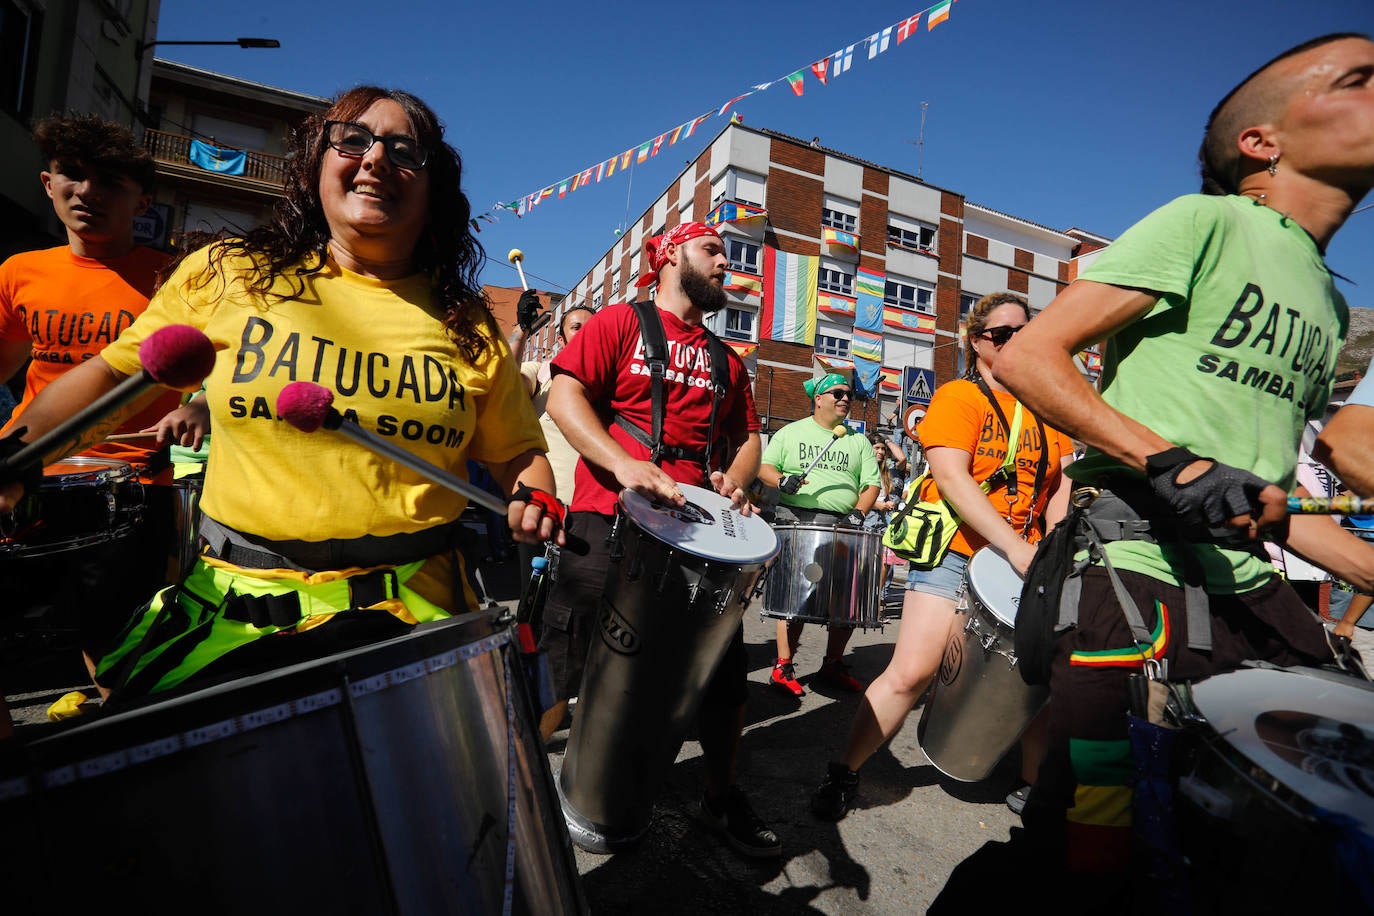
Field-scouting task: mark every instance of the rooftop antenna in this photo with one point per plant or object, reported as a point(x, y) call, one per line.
point(921, 141)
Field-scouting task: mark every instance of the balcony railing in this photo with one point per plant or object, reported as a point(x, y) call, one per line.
point(176, 149)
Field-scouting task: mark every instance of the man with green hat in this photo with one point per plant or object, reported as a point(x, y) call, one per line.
point(825, 477)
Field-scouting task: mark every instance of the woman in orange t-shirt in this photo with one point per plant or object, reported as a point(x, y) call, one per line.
point(965, 443)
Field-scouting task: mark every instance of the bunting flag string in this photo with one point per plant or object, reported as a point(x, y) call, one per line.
point(822, 70)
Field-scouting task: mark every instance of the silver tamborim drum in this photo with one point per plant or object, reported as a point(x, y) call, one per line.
point(979, 705)
point(679, 581)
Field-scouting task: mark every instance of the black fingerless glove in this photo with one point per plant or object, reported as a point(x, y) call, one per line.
point(1209, 500)
point(527, 310)
point(854, 519)
point(790, 484)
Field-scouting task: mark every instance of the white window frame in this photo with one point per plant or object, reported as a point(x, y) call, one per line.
point(921, 299)
point(753, 249)
point(739, 324)
point(827, 345)
point(841, 282)
point(911, 234)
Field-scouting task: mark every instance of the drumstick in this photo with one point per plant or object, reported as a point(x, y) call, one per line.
point(129, 437)
point(1330, 505)
point(175, 356)
point(836, 434)
point(308, 406)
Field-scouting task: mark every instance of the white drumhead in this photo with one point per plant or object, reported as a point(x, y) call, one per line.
point(995, 584)
point(707, 526)
point(1312, 733)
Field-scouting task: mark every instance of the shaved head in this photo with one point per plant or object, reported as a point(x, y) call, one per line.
point(1260, 98)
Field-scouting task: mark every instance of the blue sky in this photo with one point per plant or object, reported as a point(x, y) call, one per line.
point(1068, 113)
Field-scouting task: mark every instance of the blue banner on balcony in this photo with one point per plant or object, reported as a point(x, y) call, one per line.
point(214, 159)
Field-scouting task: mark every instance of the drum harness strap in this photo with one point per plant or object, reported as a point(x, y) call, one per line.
point(1008, 473)
point(656, 359)
point(360, 591)
point(1103, 516)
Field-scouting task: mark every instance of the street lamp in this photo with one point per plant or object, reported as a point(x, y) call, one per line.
point(241, 42)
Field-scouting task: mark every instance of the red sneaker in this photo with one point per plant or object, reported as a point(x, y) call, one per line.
point(835, 673)
point(785, 678)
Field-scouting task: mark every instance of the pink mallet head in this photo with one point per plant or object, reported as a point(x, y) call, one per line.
point(177, 356)
point(305, 405)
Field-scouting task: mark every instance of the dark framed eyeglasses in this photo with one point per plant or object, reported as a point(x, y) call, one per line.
point(1000, 335)
point(840, 394)
point(355, 140)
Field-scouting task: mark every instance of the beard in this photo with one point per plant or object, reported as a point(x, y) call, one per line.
point(703, 293)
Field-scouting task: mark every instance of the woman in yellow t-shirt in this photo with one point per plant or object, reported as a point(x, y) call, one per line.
point(364, 281)
point(965, 443)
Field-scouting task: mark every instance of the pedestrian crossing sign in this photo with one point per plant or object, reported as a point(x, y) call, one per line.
point(917, 385)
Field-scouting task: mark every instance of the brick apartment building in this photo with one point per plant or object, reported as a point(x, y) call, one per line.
point(936, 252)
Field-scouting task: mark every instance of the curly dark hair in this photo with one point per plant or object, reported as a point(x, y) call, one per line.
point(99, 144)
point(295, 241)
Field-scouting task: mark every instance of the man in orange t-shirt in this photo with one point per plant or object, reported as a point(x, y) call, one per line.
point(58, 308)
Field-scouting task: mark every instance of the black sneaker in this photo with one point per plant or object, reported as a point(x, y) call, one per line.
point(744, 830)
point(832, 800)
point(1016, 801)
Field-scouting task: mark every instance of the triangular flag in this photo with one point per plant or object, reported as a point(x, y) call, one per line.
point(907, 27)
point(658, 144)
point(625, 158)
point(731, 104)
point(563, 188)
point(643, 154)
point(820, 68)
point(600, 170)
point(878, 41)
point(795, 81)
point(691, 128)
point(611, 164)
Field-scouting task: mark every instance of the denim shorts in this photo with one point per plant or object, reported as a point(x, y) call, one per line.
point(944, 580)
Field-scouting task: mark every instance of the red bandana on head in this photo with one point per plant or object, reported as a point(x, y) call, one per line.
point(653, 246)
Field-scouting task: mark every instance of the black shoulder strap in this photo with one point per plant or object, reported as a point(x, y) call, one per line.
point(1011, 446)
point(656, 359)
point(720, 384)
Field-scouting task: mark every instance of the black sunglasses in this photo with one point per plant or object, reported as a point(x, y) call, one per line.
point(355, 140)
point(840, 394)
point(1001, 334)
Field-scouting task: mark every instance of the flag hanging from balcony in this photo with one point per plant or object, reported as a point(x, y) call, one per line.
point(733, 212)
point(838, 238)
point(892, 380)
point(907, 320)
point(788, 312)
point(743, 283)
point(214, 159)
point(833, 304)
point(868, 327)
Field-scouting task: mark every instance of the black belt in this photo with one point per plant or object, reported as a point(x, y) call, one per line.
point(252, 552)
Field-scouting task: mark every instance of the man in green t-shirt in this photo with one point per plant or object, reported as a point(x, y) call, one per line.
point(1222, 324)
point(825, 477)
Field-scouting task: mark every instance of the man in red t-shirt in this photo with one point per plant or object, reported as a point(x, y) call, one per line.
point(61, 306)
point(602, 374)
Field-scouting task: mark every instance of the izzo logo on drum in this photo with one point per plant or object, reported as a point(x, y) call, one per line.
point(953, 659)
point(616, 631)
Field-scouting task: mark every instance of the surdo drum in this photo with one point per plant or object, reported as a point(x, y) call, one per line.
point(679, 581)
point(827, 574)
point(979, 704)
point(403, 777)
point(1278, 786)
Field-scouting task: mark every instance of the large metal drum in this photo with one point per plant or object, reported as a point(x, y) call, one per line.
point(679, 581)
point(405, 777)
point(979, 705)
point(828, 574)
point(1280, 784)
point(83, 500)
